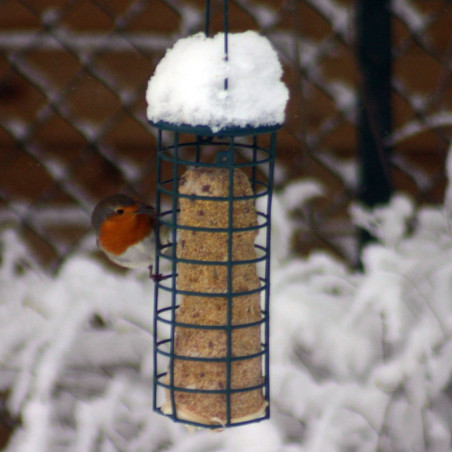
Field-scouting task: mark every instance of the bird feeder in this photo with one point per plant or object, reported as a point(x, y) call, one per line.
point(215, 160)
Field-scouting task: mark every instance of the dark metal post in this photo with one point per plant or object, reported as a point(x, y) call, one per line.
point(373, 25)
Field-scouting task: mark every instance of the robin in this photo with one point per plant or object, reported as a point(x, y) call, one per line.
point(125, 230)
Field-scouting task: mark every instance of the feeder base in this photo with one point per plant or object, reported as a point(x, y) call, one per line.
point(185, 414)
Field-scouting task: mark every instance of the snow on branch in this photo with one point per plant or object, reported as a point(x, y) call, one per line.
point(417, 126)
point(360, 359)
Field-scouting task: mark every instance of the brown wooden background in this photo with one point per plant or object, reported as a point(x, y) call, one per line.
point(73, 76)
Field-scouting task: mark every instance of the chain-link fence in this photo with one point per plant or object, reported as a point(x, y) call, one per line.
point(72, 106)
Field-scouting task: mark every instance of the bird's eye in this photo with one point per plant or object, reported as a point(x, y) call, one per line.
point(119, 211)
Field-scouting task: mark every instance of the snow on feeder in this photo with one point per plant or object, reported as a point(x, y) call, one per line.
point(217, 103)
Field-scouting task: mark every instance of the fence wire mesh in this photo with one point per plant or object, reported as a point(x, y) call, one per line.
point(73, 122)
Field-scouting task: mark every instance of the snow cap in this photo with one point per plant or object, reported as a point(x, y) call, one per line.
point(188, 84)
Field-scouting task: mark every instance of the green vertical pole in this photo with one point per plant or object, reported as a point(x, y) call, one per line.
point(374, 58)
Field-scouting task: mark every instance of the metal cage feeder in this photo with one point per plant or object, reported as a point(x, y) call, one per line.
point(211, 318)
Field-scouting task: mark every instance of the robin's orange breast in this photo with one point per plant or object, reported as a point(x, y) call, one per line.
point(121, 231)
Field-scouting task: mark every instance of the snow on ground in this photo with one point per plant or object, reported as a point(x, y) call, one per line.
point(359, 360)
point(188, 86)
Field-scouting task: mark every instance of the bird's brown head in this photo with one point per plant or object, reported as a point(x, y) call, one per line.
point(120, 221)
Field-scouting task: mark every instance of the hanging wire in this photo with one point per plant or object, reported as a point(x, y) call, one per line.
point(226, 33)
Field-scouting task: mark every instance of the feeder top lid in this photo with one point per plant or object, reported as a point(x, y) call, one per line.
point(188, 87)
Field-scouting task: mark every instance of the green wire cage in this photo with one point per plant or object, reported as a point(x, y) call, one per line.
point(211, 324)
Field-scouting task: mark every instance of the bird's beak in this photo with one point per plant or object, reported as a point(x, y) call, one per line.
point(145, 209)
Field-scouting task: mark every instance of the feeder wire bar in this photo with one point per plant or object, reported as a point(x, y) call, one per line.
point(174, 272)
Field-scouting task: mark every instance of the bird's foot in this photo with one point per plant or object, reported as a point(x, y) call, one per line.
point(156, 277)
